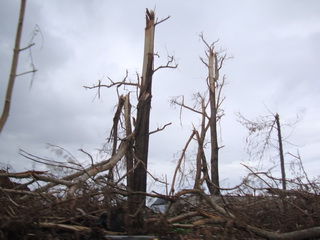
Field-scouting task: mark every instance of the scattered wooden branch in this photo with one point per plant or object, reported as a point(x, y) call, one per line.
point(21, 192)
point(102, 166)
point(178, 167)
point(160, 129)
point(295, 235)
point(75, 228)
point(182, 217)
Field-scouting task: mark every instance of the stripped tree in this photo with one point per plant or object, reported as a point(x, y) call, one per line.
point(210, 119)
point(214, 64)
point(143, 111)
point(136, 154)
point(260, 138)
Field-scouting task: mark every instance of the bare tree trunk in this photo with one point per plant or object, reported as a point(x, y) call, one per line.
point(213, 77)
point(283, 171)
point(14, 65)
point(201, 163)
point(198, 162)
point(129, 153)
point(114, 132)
point(200, 140)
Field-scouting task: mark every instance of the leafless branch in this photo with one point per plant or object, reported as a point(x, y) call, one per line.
point(160, 129)
point(182, 105)
point(205, 42)
point(24, 73)
point(179, 163)
point(88, 154)
point(170, 64)
point(44, 161)
point(124, 82)
point(298, 157)
point(162, 20)
point(27, 47)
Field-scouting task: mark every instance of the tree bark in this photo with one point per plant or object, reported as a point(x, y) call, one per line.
point(129, 153)
point(141, 131)
point(201, 163)
point(14, 65)
point(200, 140)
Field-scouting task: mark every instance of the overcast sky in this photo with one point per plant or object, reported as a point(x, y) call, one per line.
point(275, 50)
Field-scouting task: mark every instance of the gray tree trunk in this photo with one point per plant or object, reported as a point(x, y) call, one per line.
point(213, 77)
point(283, 171)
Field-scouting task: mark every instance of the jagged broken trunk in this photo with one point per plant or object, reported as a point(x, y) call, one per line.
point(143, 110)
point(141, 132)
point(213, 78)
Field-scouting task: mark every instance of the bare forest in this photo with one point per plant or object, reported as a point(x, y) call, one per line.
point(108, 199)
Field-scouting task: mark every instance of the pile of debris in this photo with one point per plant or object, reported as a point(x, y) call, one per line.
point(97, 210)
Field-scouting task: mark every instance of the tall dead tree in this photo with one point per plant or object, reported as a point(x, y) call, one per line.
point(260, 138)
point(141, 130)
point(209, 119)
point(214, 65)
point(283, 170)
point(137, 152)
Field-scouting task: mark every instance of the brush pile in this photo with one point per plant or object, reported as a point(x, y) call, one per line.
point(40, 205)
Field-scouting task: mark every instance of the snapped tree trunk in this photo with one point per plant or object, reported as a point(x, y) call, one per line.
point(143, 112)
point(213, 77)
point(283, 171)
point(138, 179)
point(14, 65)
point(200, 152)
